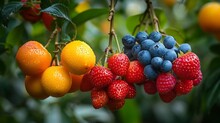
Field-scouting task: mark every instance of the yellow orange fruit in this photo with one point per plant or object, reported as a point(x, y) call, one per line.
point(33, 58)
point(209, 17)
point(76, 81)
point(56, 81)
point(34, 88)
point(82, 6)
point(78, 57)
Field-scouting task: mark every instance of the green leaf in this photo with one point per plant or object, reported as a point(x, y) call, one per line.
point(215, 48)
point(212, 97)
point(176, 33)
point(214, 64)
point(2, 67)
point(8, 10)
point(88, 15)
point(132, 22)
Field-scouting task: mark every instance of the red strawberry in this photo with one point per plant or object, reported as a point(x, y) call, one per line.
point(131, 91)
point(101, 76)
point(119, 64)
point(198, 79)
point(99, 98)
point(187, 66)
point(135, 73)
point(183, 87)
point(165, 82)
point(118, 90)
point(115, 104)
point(86, 84)
point(167, 97)
point(150, 87)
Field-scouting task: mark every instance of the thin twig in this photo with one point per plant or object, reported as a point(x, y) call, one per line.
point(51, 37)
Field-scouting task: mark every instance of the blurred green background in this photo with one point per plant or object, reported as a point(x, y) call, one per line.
point(202, 105)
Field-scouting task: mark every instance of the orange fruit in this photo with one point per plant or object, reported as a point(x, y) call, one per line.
point(209, 17)
point(34, 88)
point(56, 81)
point(169, 3)
point(78, 57)
point(76, 82)
point(33, 58)
point(82, 6)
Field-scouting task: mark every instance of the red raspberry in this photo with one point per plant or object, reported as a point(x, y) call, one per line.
point(115, 104)
point(187, 66)
point(131, 91)
point(135, 73)
point(167, 97)
point(101, 76)
point(165, 82)
point(198, 79)
point(150, 87)
point(119, 64)
point(86, 84)
point(183, 87)
point(99, 98)
point(118, 90)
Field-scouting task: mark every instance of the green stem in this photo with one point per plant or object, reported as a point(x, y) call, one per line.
point(51, 37)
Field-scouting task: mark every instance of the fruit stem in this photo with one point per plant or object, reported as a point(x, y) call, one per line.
point(57, 47)
point(51, 37)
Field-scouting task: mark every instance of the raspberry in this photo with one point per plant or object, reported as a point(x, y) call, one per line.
point(131, 91)
point(101, 76)
point(115, 104)
point(187, 66)
point(165, 82)
point(135, 73)
point(118, 90)
point(150, 87)
point(183, 87)
point(167, 97)
point(119, 64)
point(198, 79)
point(86, 84)
point(99, 98)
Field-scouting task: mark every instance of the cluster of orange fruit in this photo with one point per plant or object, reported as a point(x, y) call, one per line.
point(43, 78)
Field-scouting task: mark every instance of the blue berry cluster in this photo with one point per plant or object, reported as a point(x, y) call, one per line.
point(153, 51)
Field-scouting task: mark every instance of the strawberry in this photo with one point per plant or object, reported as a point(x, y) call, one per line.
point(118, 90)
point(165, 82)
point(135, 73)
point(101, 76)
point(131, 91)
point(119, 64)
point(150, 87)
point(183, 87)
point(187, 66)
point(115, 104)
point(198, 79)
point(167, 97)
point(86, 84)
point(99, 98)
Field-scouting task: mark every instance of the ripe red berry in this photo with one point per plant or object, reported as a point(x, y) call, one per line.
point(198, 80)
point(135, 73)
point(47, 20)
point(131, 91)
point(86, 84)
point(186, 66)
point(119, 64)
point(167, 97)
point(101, 76)
point(99, 98)
point(183, 87)
point(150, 87)
point(118, 90)
point(165, 82)
point(115, 104)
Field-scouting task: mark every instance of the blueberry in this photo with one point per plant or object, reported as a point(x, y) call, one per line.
point(156, 62)
point(185, 48)
point(141, 36)
point(150, 73)
point(166, 66)
point(144, 57)
point(128, 41)
point(155, 36)
point(135, 50)
point(169, 42)
point(146, 44)
point(128, 52)
point(170, 55)
point(175, 49)
point(157, 49)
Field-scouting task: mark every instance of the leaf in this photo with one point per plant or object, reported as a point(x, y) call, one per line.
point(132, 22)
point(8, 10)
point(88, 15)
point(2, 67)
point(215, 49)
point(212, 97)
point(176, 33)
